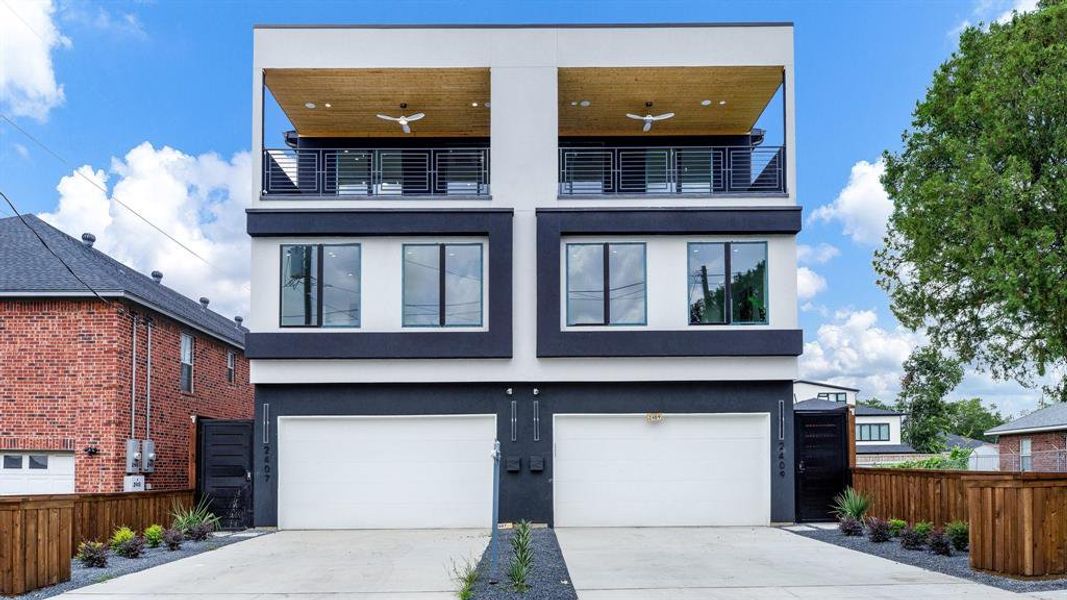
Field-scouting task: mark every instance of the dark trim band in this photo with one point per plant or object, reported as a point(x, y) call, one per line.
point(553, 224)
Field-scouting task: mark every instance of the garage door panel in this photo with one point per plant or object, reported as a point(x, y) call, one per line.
point(694, 469)
point(385, 471)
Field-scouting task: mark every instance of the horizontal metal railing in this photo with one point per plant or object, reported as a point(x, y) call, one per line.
point(705, 170)
point(376, 171)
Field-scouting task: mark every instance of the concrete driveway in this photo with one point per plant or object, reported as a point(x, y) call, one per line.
point(306, 565)
point(741, 563)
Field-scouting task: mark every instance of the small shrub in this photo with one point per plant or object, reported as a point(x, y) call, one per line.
point(850, 526)
point(851, 503)
point(199, 532)
point(878, 530)
point(923, 528)
point(521, 557)
point(939, 543)
point(93, 554)
point(911, 539)
point(896, 526)
point(153, 535)
point(465, 576)
point(121, 535)
point(173, 539)
point(186, 518)
point(959, 534)
point(131, 548)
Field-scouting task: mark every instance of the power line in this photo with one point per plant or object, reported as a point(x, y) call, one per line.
point(103, 189)
point(49, 248)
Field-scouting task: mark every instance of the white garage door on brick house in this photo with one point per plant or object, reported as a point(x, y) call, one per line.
point(630, 470)
point(36, 473)
point(385, 472)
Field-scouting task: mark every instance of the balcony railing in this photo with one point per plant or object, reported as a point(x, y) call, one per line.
point(366, 172)
point(672, 171)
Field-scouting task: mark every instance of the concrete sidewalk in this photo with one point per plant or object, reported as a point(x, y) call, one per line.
point(306, 565)
point(742, 563)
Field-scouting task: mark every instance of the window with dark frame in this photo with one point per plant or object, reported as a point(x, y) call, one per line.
point(718, 299)
point(320, 285)
point(442, 285)
point(187, 348)
point(606, 283)
point(231, 367)
point(38, 461)
point(833, 396)
point(12, 461)
point(872, 432)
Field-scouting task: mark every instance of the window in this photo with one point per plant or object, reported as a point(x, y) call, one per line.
point(833, 396)
point(38, 461)
point(606, 284)
point(187, 363)
point(1025, 458)
point(714, 298)
point(231, 367)
point(12, 461)
point(442, 285)
point(320, 285)
point(872, 432)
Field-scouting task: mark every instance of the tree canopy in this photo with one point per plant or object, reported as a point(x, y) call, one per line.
point(971, 419)
point(975, 252)
point(928, 377)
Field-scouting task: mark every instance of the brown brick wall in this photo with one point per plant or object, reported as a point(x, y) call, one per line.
point(1048, 451)
point(65, 385)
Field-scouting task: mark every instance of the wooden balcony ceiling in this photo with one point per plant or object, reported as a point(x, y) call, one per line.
point(614, 91)
point(355, 96)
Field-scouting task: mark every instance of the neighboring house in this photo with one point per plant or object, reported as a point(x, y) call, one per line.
point(75, 367)
point(611, 299)
point(804, 389)
point(1035, 442)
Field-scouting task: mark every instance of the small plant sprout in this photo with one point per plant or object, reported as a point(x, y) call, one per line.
point(121, 535)
point(959, 534)
point(878, 530)
point(92, 554)
point(187, 518)
point(851, 503)
point(522, 557)
point(850, 526)
point(153, 535)
point(911, 539)
point(896, 526)
point(131, 548)
point(939, 543)
point(173, 539)
point(466, 576)
point(923, 528)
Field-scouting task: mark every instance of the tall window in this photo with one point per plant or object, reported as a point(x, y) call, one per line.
point(1026, 459)
point(320, 285)
point(187, 363)
point(872, 432)
point(727, 283)
point(231, 367)
point(606, 284)
point(442, 285)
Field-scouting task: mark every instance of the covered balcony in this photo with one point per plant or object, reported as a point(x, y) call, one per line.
point(376, 133)
point(684, 131)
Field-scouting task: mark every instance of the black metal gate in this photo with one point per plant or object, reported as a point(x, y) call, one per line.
point(821, 462)
point(224, 470)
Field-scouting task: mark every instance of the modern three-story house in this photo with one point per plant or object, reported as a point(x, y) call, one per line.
point(577, 242)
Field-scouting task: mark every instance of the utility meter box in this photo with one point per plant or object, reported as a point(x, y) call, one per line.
point(133, 483)
point(133, 456)
point(148, 456)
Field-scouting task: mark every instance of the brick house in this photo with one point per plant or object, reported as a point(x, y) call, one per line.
point(1035, 442)
point(80, 374)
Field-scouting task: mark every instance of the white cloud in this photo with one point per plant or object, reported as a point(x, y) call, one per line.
point(99, 18)
point(854, 350)
point(21, 150)
point(999, 11)
point(862, 207)
point(28, 35)
point(809, 283)
point(199, 200)
point(816, 255)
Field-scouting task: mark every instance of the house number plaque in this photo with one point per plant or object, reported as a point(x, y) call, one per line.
point(654, 417)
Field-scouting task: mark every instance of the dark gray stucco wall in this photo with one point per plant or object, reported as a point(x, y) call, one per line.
point(525, 494)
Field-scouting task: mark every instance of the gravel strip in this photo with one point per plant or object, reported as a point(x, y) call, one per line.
point(117, 566)
point(549, 579)
point(957, 565)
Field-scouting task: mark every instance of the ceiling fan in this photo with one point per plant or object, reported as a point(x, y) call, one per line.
point(649, 119)
point(403, 120)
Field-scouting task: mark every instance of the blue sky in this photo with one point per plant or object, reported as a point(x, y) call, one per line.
point(155, 98)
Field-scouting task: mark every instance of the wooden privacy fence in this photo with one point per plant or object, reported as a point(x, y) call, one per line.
point(40, 534)
point(1018, 521)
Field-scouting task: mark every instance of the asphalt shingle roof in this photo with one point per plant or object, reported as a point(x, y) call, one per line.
point(1050, 417)
point(29, 268)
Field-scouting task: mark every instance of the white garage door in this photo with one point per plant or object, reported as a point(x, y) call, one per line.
point(385, 472)
point(36, 473)
point(632, 470)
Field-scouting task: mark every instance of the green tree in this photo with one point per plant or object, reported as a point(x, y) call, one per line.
point(876, 403)
point(970, 418)
point(975, 252)
point(928, 377)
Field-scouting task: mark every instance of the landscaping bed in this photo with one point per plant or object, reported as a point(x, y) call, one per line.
point(957, 565)
point(547, 577)
point(81, 576)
